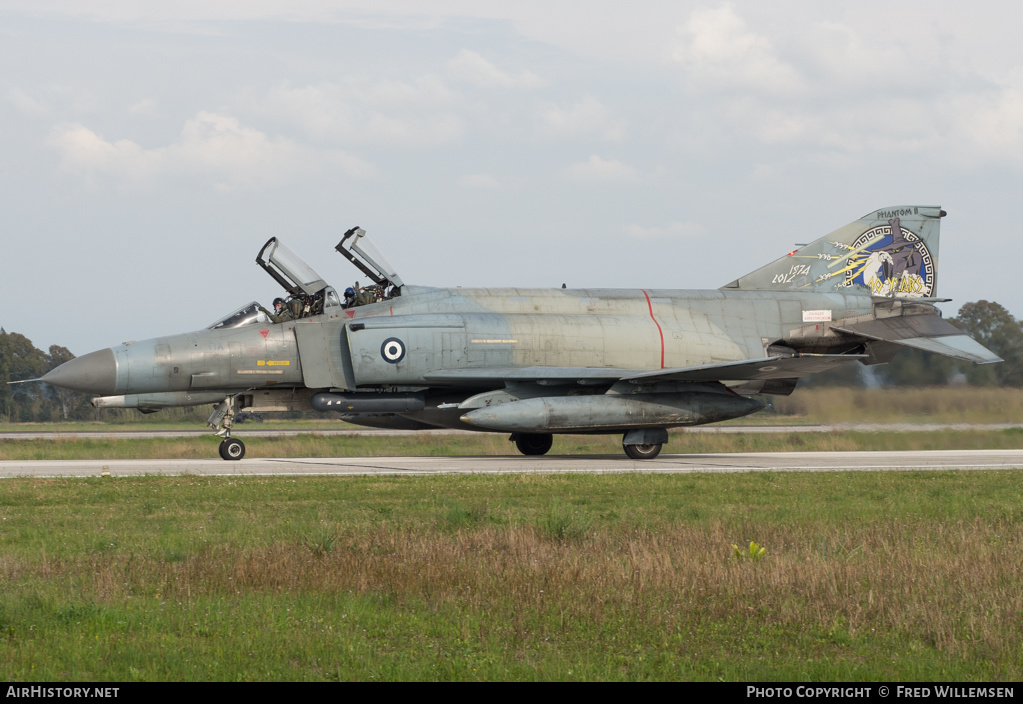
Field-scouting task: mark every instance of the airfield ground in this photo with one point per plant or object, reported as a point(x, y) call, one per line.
point(864, 575)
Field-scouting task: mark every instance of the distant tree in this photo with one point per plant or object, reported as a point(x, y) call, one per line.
point(6, 396)
point(912, 367)
point(24, 361)
point(995, 328)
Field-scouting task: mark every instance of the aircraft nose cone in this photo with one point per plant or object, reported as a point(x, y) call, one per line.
point(93, 373)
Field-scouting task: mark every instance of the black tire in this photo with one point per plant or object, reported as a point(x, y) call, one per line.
point(232, 449)
point(534, 443)
point(643, 452)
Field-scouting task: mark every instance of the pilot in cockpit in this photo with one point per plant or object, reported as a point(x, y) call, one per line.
point(281, 312)
point(349, 297)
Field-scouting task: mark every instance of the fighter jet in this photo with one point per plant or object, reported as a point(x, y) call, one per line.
point(536, 362)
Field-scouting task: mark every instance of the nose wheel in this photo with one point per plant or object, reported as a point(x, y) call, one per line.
point(232, 449)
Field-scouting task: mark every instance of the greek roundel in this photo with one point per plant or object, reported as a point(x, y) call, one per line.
point(393, 350)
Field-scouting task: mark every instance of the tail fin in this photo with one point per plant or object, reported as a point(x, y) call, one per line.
point(892, 252)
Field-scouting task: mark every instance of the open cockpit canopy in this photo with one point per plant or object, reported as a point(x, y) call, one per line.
point(356, 248)
point(288, 269)
point(309, 293)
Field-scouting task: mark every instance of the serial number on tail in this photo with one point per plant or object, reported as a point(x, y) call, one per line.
point(797, 270)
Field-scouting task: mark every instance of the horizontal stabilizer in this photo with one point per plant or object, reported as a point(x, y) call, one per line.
point(957, 346)
point(929, 333)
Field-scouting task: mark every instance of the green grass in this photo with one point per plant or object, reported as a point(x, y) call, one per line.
point(891, 576)
point(490, 444)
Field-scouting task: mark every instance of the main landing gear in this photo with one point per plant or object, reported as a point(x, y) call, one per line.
point(643, 444)
point(222, 420)
point(533, 443)
point(643, 452)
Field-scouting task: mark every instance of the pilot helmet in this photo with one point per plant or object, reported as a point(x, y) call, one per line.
point(349, 292)
point(278, 302)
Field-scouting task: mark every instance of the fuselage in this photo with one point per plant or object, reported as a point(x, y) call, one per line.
point(444, 330)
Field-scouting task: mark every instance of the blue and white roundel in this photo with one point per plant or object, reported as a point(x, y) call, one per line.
point(393, 350)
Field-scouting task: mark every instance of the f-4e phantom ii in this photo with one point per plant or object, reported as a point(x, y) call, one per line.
point(536, 362)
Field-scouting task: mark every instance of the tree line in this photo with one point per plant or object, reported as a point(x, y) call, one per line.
point(987, 322)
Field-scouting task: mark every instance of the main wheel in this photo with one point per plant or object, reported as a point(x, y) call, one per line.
point(534, 443)
point(643, 452)
point(232, 449)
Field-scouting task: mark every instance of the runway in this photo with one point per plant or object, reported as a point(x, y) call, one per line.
point(392, 466)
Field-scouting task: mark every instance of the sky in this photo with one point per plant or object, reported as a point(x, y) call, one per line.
point(147, 152)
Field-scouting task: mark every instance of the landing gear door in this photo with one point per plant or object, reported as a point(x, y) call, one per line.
point(356, 248)
point(288, 269)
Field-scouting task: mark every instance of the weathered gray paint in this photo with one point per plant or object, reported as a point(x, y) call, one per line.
point(568, 360)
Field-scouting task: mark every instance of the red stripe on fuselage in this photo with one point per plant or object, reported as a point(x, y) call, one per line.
point(659, 331)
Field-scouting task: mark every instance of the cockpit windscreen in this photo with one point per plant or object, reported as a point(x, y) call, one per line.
point(246, 315)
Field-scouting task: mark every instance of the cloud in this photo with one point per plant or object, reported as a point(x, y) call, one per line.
point(472, 67)
point(588, 117)
point(483, 182)
point(840, 91)
point(597, 170)
point(718, 49)
point(145, 107)
point(673, 230)
point(215, 146)
point(26, 104)
point(419, 113)
point(989, 127)
point(85, 152)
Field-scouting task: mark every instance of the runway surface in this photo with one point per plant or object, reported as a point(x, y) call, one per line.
point(738, 462)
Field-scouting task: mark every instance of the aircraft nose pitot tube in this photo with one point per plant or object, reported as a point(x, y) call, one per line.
point(93, 373)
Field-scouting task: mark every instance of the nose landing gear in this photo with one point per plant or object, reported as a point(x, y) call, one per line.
point(222, 420)
point(232, 449)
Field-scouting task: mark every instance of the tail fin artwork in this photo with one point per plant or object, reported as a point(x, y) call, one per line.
point(890, 253)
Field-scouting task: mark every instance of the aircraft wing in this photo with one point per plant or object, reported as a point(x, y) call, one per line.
point(749, 369)
point(743, 370)
point(923, 332)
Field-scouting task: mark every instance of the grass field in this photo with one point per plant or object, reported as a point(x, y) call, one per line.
point(480, 444)
point(894, 576)
point(864, 576)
